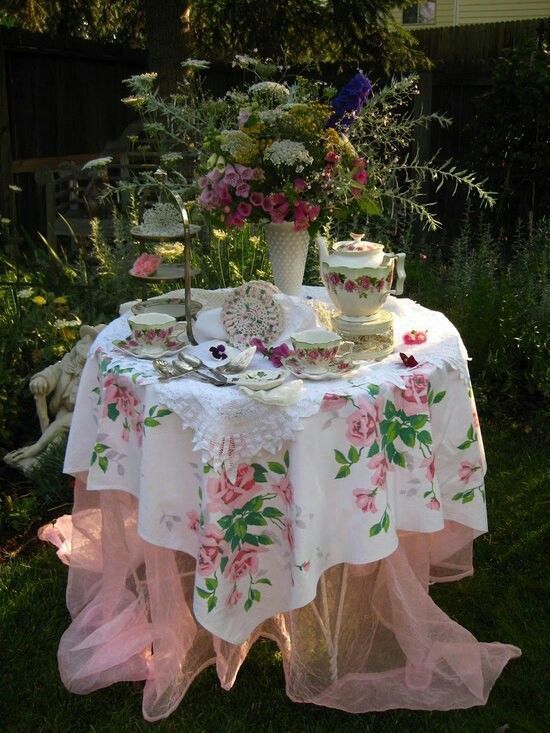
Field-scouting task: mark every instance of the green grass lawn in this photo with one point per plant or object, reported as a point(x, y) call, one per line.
point(506, 600)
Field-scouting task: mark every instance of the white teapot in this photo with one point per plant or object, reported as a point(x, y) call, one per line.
point(358, 275)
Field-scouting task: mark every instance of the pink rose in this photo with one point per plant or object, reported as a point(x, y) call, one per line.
point(360, 176)
point(380, 466)
point(364, 282)
point(284, 490)
point(365, 500)
point(429, 465)
point(414, 398)
point(146, 265)
point(193, 521)
point(334, 278)
point(350, 286)
point(245, 562)
point(362, 424)
point(466, 471)
point(225, 494)
point(434, 504)
point(414, 337)
point(333, 402)
point(125, 400)
point(233, 598)
point(210, 551)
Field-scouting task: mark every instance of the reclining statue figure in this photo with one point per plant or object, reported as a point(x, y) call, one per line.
point(60, 382)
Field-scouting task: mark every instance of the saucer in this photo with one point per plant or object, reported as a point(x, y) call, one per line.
point(130, 347)
point(256, 379)
point(337, 369)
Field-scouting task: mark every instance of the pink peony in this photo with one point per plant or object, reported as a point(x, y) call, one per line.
point(434, 504)
point(245, 562)
point(362, 424)
point(233, 598)
point(333, 402)
point(365, 500)
point(146, 265)
point(466, 471)
point(210, 551)
point(284, 490)
point(225, 494)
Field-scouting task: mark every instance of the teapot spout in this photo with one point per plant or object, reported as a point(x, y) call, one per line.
point(323, 248)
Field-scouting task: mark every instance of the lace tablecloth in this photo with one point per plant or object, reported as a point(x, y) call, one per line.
point(204, 519)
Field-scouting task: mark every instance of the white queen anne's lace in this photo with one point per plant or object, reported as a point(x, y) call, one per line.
point(288, 153)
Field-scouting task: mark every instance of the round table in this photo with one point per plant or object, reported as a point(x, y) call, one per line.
point(204, 519)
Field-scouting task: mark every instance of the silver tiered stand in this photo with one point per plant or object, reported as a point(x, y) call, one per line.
point(168, 272)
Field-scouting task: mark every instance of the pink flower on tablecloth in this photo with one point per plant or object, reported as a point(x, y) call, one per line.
point(211, 550)
point(139, 430)
point(429, 465)
point(380, 466)
point(288, 533)
point(284, 489)
point(333, 402)
point(245, 562)
point(415, 337)
point(122, 396)
point(146, 265)
point(466, 471)
point(225, 494)
point(193, 521)
point(362, 424)
point(434, 504)
point(233, 598)
point(365, 500)
point(414, 398)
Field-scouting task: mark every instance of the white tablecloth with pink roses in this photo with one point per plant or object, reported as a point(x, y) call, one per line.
point(326, 545)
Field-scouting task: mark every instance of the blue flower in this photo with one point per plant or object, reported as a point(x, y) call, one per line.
point(349, 101)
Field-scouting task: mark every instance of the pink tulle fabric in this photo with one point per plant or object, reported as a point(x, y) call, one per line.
point(371, 640)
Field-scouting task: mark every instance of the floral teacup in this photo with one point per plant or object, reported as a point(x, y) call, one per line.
point(317, 350)
point(153, 332)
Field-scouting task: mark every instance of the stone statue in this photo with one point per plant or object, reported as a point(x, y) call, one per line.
point(60, 382)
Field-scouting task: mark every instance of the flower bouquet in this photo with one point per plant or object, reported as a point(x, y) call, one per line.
point(288, 158)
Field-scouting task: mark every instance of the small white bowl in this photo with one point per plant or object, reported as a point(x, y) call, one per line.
point(257, 379)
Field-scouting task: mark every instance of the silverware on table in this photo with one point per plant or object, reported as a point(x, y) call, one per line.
point(197, 363)
point(177, 370)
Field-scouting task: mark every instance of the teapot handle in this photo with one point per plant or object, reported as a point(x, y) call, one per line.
point(400, 262)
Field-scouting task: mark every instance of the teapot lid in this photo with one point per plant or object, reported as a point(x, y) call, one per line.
point(357, 245)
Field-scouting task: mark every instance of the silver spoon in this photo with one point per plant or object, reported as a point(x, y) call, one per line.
point(197, 363)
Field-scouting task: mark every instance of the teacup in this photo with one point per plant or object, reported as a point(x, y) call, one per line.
point(317, 350)
point(153, 332)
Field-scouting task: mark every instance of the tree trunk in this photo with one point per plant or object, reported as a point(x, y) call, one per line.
point(167, 32)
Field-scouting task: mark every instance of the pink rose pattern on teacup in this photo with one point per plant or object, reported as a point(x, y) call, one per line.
point(246, 514)
point(152, 337)
point(364, 285)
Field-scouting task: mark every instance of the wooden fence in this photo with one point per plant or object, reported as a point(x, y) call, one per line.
point(59, 100)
